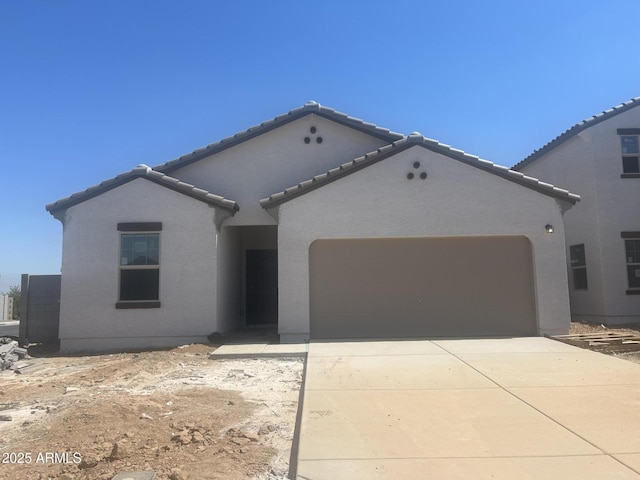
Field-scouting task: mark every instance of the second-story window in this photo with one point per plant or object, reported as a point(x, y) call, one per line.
point(630, 153)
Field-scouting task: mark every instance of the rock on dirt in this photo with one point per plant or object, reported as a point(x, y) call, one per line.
point(209, 420)
point(10, 353)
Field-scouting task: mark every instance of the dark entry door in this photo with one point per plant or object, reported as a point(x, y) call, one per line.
point(262, 286)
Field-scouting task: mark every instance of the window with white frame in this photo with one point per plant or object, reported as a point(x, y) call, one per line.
point(139, 282)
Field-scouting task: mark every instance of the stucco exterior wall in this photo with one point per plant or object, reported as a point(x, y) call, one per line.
point(274, 161)
point(617, 211)
point(454, 200)
point(572, 166)
point(90, 271)
point(590, 164)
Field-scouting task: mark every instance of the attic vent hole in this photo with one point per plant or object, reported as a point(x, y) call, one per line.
point(307, 140)
point(410, 176)
point(312, 129)
point(416, 164)
point(319, 140)
point(423, 175)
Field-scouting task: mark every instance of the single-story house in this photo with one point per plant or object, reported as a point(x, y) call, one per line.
point(326, 225)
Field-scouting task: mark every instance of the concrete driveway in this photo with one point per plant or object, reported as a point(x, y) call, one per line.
point(519, 408)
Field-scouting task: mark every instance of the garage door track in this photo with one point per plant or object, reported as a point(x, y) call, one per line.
point(468, 409)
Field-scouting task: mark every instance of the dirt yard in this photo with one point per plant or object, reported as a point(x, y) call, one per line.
point(175, 412)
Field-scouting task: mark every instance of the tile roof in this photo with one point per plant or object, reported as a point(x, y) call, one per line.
point(577, 128)
point(407, 142)
point(143, 171)
point(307, 109)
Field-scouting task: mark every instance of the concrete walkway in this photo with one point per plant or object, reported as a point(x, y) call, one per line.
point(521, 408)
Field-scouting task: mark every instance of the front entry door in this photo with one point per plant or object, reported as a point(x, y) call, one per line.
point(262, 286)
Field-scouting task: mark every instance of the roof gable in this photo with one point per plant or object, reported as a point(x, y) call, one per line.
point(147, 173)
point(577, 128)
point(403, 144)
point(252, 132)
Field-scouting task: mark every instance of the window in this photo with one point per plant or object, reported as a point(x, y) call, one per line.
point(632, 250)
point(139, 266)
point(578, 266)
point(629, 146)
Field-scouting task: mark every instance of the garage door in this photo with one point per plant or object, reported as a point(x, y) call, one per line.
point(407, 287)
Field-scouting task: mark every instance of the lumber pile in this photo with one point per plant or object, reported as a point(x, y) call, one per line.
point(605, 342)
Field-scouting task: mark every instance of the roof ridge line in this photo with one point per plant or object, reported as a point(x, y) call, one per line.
point(406, 142)
point(577, 128)
point(311, 107)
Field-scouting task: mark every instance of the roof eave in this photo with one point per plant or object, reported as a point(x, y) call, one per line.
point(145, 173)
point(408, 142)
point(81, 197)
point(576, 129)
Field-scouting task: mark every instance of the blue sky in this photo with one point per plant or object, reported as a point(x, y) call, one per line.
point(90, 89)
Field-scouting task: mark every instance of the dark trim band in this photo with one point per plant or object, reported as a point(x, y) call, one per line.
point(140, 227)
point(630, 175)
point(629, 131)
point(630, 234)
point(131, 305)
point(633, 292)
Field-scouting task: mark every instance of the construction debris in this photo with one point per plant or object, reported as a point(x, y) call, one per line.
point(605, 342)
point(10, 353)
point(199, 402)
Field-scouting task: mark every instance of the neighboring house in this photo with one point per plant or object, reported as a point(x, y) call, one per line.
point(6, 307)
point(328, 226)
point(598, 158)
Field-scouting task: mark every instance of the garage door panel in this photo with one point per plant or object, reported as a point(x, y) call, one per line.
point(403, 326)
point(369, 298)
point(421, 287)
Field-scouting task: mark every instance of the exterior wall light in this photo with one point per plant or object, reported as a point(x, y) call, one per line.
point(548, 228)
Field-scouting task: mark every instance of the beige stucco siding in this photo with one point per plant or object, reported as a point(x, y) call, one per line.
point(454, 200)
point(90, 270)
